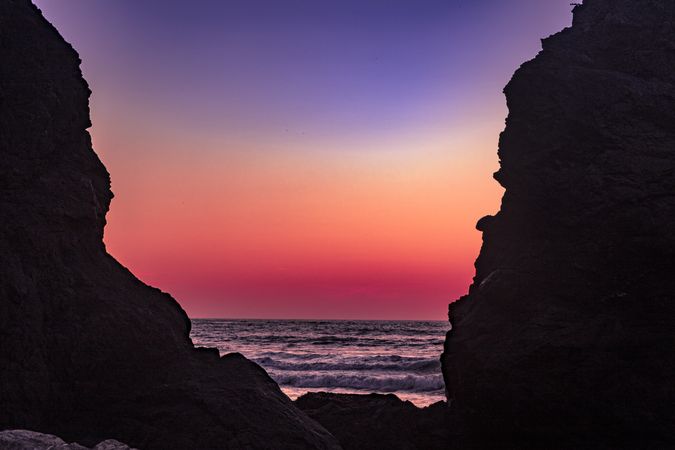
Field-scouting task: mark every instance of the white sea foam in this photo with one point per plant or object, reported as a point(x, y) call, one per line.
point(382, 383)
point(350, 364)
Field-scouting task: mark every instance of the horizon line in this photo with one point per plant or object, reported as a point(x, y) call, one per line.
point(317, 319)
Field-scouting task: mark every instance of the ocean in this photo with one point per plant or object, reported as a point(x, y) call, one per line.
point(399, 357)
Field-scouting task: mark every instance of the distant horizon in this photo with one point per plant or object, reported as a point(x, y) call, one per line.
point(324, 159)
point(280, 319)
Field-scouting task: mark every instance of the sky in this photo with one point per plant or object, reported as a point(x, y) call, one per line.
point(302, 158)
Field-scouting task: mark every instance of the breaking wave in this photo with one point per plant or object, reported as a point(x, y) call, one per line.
point(407, 383)
point(363, 364)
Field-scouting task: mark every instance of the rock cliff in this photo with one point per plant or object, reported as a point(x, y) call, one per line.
point(567, 335)
point(87, 351)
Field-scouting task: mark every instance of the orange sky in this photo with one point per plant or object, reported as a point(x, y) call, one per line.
point(305, 159)
point(383, 227)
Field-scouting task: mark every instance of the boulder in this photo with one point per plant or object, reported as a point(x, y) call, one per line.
point(31, 440)
point(377, 421)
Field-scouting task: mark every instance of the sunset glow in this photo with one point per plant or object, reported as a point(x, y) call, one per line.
point(264, 167)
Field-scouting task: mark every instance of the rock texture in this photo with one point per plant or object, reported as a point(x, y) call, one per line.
point(87, 351)
point(30, 440)
point(567, 335)
point(377, 421)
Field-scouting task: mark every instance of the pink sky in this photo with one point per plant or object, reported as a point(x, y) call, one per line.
point(319, 161)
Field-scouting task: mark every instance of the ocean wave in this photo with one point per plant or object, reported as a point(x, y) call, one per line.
point(407, 383)
point(308, 340)
point(328, 340)
point(337, 356)
point(337, 339)
point(363, 364)
point(292, 356)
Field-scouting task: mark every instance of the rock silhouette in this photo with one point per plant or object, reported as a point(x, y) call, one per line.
point(30, 440)
point(567, 336)
point(87, 351)
point(377, 421)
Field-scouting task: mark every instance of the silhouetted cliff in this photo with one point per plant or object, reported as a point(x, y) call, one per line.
point(567, 335)
point(87, 351)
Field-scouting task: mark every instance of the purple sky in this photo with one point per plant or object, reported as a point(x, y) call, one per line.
point(302, 158)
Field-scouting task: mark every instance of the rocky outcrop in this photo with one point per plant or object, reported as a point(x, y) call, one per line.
point(87, 351)
point(567, 335)
point(377, 421)
point(30, 440)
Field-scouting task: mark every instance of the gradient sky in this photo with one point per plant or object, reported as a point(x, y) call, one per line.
point(302, 158)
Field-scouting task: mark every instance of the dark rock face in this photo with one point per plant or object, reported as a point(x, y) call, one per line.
point(567, 335)
point(377, 421)
point(87, 351)
point(30, 440)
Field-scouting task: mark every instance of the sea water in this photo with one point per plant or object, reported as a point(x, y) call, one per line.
point(399, 357)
